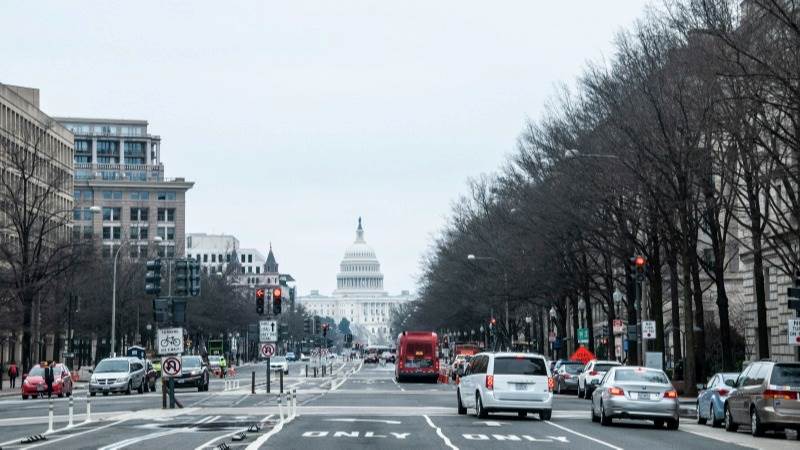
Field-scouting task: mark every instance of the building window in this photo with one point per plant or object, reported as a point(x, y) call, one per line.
point(112, 195)
point(111, 232)
point(250, 258)
point(88, 232)
point(166, 233)
point(166, 196)
point(213, 258)
point(205, 257)
point(112, 214)
point(258, 269)
point(249, 269)
point(139, 233)
point(243, 259)
point(139, 214)
point(166, 214)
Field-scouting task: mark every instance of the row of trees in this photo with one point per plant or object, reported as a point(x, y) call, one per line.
point(683, 148)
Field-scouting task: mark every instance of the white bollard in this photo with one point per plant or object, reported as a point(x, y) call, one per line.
point(294, 402)
point(49, 417)
point(88, 409)
point(71, 406)
point(280, 407)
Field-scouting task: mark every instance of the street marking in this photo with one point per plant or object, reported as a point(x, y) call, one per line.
point(51, 441)
point(439, 433)
point(390, 422)
point(489, 423)
point(398, 385)
point(212, 441)
point(147, 437)
point(568, 430)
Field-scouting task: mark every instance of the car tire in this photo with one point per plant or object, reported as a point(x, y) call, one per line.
point(604, 420)
point(24, 397)
point(587, 394)
point(522, 414)
point(658, 423)
point(462, 410)
point(558, 389)
point(140, 389)
point(480, 411)
point(581, 394)
point(712, 417)
point(756, 427)
point(595, 419)
point(545, 414)
point(105, 393)
point(128, 389)
point(700, 419)
point(673, 424)
point(730, 425)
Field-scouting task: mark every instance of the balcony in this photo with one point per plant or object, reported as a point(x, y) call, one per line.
point(119, 172)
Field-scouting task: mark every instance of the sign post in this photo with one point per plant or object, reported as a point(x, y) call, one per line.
point(583, 335)
point(169, 341)
point(268, 331)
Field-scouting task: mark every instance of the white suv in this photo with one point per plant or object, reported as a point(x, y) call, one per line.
point(512, 382)
point(592, 373)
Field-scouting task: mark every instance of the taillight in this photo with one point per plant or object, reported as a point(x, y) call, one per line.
point(400, 364)
point(567, 376)
point(490, 382)
point(593, 373)
point(772, 394)
point(551, 384)
point(723, 392)
point(671, 394)
point(616, 391)
point(436, 365)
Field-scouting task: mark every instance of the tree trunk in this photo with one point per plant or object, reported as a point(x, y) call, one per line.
point(630, 288)
point(575, 323)
point(688, 317)
point(699, 321)
point(27, 335)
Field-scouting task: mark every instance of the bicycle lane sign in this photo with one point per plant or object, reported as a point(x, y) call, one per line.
point(170, 341)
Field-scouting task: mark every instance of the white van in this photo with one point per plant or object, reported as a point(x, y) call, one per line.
point(507, 382)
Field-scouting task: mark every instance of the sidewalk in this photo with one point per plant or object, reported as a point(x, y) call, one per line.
point(17, 391)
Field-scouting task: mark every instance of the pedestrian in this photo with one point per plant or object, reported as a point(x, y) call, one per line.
point(13, 372)
point(49, 377)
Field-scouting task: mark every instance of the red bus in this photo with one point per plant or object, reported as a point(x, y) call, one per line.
point(417, 356)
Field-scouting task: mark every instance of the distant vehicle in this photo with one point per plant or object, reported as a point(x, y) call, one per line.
point(194, 373)
point(34, 384)
point(591, 375)
point(304, 357)
point(711, 400)
point(214, 361)
point(291, 356)
point(388, 357)
point(506, 382)
point(566, 377)
point(466, 349)
point(117, 375)
point(417, 356)
point(372, 354)
point(458, 365)
point(635, 393)
point(766, 398)
point(279, 363)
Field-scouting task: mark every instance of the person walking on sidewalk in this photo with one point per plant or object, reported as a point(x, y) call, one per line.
point(13, 372)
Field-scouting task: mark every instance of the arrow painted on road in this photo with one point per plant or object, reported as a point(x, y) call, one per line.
point(390, 422)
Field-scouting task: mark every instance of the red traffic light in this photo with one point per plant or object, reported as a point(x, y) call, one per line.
point(639, 261)
point(276, 293)
point(493, 321)
point(260, 293)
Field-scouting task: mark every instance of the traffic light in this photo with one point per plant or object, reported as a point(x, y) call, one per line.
point(260, 301)
point(152, 279)
point(324, 330)
point(162, 311)
point(276, 301)
point(307, 325)
point(638, 267)
point(794, 294)
point(181, 278)
point(194, 278)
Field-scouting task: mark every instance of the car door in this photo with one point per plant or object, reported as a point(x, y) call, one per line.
point(739, 403)
point(598, 392)
point(705, 396)
point(468, 382)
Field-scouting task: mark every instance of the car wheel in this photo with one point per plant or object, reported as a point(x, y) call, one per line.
point(604, 420)
point(730, 425)
point(522, 414)
point(461, 409)
point(580, 392)
point(105, 393)
point(659, 423)
point(480, 412)
point(591, 412)
point(672, 424)
point(24, 397)
point(140, 389)
point(128, 389)
point(700, 419)
point(712, 417)
point(545, 414)
point(756, 427)
point(60, 394)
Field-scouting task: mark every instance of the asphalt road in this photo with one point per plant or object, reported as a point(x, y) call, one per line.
point(358, 407)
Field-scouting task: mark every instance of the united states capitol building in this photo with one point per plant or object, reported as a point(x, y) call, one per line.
point(359, 296)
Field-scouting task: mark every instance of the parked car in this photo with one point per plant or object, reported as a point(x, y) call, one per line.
point(388, 357)
point(151, 376)
point(459, 364)
point(34, 385)
point(591, 375)
point(291, 356)
point(711, 400)
point(121, 374)
point(304, 357)
point(279, 363)
point(766, 398)
point(566, 377)
point(635, 393)
point(506, 382)
point(194, 373)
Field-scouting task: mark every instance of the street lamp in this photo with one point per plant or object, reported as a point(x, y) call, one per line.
point(114, 301)
point(582, 309)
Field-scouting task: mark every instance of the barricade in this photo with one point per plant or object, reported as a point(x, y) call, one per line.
point(49, 417)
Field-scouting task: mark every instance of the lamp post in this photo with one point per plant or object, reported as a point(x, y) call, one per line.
point(554, 326)
point(114, 301)
point(472, 257)
point(529, 321)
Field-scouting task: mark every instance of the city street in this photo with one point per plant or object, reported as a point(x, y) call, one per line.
point(360, 406)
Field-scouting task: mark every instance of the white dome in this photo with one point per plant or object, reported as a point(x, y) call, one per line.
point(360, 269)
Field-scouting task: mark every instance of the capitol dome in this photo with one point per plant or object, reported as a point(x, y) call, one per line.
point(360, 269)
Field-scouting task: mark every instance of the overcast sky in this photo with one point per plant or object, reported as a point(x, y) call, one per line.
point(293, 118)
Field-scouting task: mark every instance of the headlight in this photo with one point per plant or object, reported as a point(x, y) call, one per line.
point(121, 380)
point(195, 372)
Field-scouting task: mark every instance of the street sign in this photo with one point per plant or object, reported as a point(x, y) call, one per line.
point(633, 335)
point(619, 327)
point(268, 331)
point(648, 329)
point(171, 366)
point(654, 360)
point(170, 341)
point(551, 337)
point(267, 350)
point(583, 335)
point(793, 329)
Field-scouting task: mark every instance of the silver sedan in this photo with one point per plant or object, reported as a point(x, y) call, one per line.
point(636, 393)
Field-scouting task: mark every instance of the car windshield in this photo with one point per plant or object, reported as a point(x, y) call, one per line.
point(191, 362)
point(572, 368)
point(604, 367)
point(519, 365)
point(641, 376)
point(278, 359)
point(729, 376)
point(786, 375)
point(109, 366)
point(213, 359)
point(37, 371)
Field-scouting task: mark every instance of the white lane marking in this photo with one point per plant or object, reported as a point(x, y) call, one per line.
point(398, 385)
point(255, 445)
point(212, 441)
point(440, 434)
point(147, 437)
point(568, 430)
point(72, 435)
point(390, 422)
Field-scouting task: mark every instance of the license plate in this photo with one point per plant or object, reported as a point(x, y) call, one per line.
point(181, 381)
point(643, 396)
point(521, 386)
point(40, 388)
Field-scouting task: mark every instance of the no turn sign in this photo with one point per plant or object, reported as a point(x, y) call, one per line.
point(267, 350)
point(171, 366)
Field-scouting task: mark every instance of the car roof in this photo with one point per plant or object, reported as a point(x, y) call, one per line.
point(606, 361)
point(119, 358)
point(512, 354)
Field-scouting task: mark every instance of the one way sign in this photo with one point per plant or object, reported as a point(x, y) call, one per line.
point(268, 331)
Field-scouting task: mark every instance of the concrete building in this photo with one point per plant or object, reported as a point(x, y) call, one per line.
point(214, 252)
point(359, 296)
point(26, 132)
point(118, 167)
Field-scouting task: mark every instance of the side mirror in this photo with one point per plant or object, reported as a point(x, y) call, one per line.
point(701, 386)
point(91, 370)
point(730, 383)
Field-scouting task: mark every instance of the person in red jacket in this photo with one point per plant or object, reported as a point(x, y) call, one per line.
point(13, 372)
